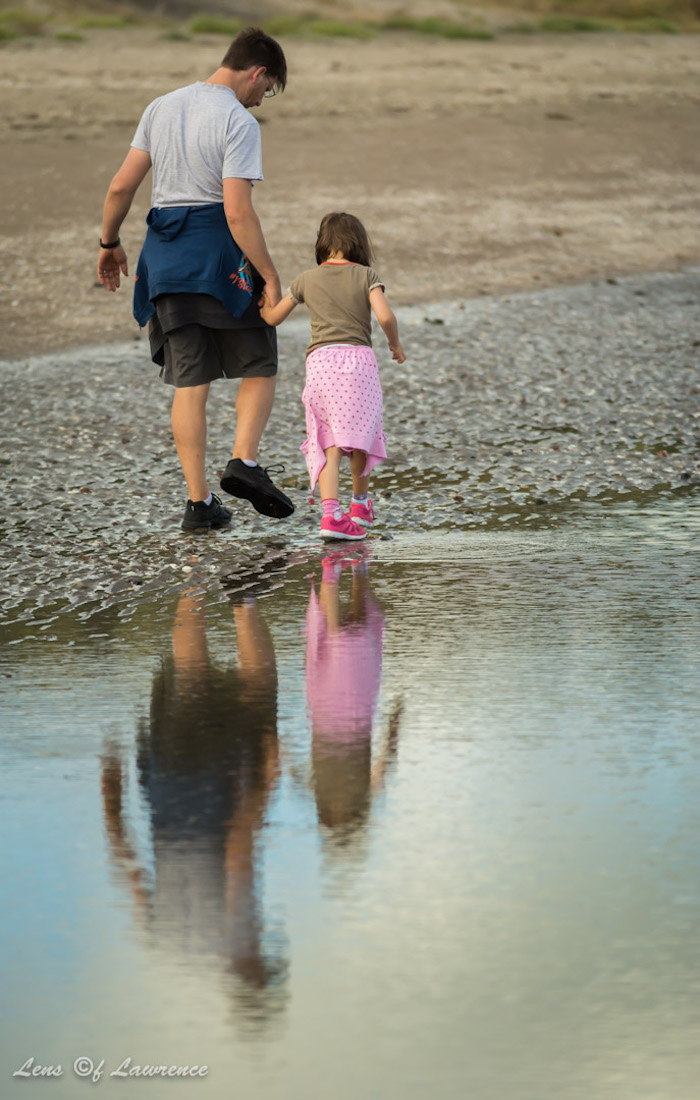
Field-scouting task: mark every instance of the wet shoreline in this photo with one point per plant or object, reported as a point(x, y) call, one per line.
point(510, 413)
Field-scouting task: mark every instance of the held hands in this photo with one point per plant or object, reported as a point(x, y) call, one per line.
point(110, 263)
point(397, 352)
point(271, 294)
point(265, 307)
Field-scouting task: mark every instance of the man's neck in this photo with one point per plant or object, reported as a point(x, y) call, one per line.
point(227, 77)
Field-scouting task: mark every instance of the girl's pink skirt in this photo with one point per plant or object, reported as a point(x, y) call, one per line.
point(343, 402)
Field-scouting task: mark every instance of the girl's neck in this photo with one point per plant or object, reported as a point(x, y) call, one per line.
point(337, 258)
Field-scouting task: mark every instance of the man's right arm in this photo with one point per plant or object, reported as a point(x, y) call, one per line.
point(246, 231)
point(119, 198)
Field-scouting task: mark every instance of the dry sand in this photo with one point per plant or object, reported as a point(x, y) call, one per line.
point(479, 167)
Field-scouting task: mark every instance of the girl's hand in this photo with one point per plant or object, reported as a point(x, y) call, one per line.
point(275, 314)
point(265, 307)
point(270, 294)
point(397, 352)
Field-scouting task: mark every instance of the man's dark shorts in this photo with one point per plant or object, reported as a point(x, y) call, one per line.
point(196, 341)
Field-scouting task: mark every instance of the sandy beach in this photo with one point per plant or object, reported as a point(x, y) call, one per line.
point(480, 167)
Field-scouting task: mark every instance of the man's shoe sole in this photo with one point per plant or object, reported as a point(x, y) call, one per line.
point(268, 504)
point(206, 526)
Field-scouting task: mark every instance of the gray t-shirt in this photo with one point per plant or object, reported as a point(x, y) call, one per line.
point(198, 136)
point(338, 299)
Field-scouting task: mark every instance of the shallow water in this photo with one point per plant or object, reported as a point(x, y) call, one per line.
point(422, 821)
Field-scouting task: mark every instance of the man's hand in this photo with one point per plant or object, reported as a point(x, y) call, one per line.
point(271, 294)
point(111, 262)
point(274, 315)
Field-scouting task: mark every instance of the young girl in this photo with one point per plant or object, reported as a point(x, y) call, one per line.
point(342, 395)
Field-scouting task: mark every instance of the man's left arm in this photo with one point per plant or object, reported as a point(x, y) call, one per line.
point(120, 195)
point(244, 224)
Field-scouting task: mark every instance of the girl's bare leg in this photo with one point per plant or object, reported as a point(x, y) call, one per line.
point(360, 484)
point(328, 478)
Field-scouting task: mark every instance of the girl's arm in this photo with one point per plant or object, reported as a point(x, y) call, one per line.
point(388, 322)
point(275, 315)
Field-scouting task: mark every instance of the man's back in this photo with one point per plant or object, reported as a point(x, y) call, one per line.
point(197, 136)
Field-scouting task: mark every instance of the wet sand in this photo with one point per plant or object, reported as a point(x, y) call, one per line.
point(479, 167)
point(521, 411)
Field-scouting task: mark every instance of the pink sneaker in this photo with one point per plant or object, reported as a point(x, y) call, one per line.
point(340, 526)
point(362, 513)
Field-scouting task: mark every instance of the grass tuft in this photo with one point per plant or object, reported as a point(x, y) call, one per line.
point(69, 36)
point(215, 24)
point(287, 25)
point(649, 25)
point(305, 26)
point(443, 28)
point(519, 28)
point(104, 22)
point(336, 28)
point(175, 36)
point(574, 24)
point(15, 22)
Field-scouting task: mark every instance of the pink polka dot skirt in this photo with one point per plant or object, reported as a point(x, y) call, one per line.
point(343, 402)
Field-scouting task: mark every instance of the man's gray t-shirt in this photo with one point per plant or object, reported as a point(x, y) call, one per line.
point(198, 136)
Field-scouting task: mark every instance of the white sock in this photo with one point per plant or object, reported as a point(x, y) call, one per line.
point(208, 500)
point(359, 500)
point(248, 462)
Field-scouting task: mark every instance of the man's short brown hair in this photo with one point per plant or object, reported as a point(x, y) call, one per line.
point(253, 47)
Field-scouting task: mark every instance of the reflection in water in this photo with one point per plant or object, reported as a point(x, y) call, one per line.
point(343, 677)
point(518, 919)
point(207, 763)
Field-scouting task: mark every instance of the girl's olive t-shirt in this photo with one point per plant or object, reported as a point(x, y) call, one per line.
point(337, 296)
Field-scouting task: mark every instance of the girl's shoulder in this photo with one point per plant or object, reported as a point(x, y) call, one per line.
point(296, 287)
point(374, 280)
point(365, 275)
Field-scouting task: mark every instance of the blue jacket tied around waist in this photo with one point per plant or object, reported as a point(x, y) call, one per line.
point(190, 250)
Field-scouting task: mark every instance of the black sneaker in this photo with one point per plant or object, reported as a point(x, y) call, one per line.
point(200, 516)
point(253, 484)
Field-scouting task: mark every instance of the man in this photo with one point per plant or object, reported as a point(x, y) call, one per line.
point(208, 765)
point(194, 283)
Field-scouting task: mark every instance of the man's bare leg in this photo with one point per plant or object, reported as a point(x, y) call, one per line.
point(253, 408)
point(189, 422)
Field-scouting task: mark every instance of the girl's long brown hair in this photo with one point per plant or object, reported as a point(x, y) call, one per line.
point(343, 233)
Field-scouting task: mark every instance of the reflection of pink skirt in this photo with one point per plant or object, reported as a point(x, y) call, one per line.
point(343, 402)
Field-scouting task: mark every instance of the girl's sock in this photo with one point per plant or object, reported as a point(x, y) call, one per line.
point(360, 500)
point(329, 506)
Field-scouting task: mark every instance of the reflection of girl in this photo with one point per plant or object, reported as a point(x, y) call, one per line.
point(343, 676)
point(342, 395)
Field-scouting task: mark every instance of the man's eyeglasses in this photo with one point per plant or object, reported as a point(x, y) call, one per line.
point(269, 93)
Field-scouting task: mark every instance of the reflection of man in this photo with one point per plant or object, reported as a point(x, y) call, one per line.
point(207, 763)
point(343, 677)
point(194, 282)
